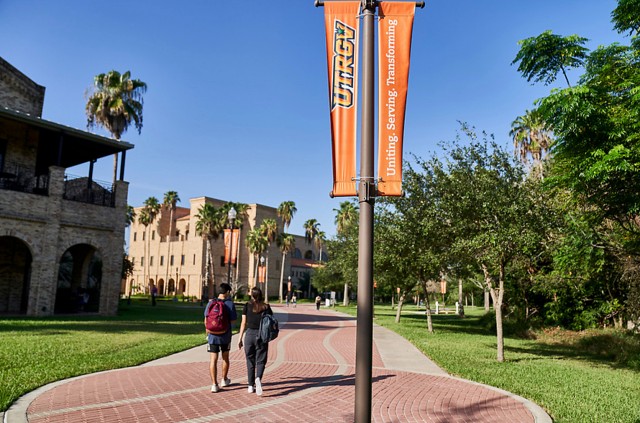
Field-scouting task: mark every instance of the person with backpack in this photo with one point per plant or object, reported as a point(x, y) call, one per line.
point(219, 315)
point(255, 349)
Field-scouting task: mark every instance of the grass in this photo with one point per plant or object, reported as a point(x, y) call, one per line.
point(576, 377)
point(37, 351)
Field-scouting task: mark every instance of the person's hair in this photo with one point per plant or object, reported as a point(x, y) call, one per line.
point(225, 287)
point(258, 300)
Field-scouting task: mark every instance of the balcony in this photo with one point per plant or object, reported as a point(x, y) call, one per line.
point(84, 190)
point(16, 177)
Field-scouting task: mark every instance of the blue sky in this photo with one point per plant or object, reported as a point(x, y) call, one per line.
point(237, 105)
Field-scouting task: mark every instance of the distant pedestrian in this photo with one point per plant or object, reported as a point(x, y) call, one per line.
point(217, 343)
point(154, 294)
point(294, 300)
point(318, 301)
point(255, 350)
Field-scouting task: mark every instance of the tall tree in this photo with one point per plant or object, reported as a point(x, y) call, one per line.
point(143, 219)
point(286, 211)
point(241, 215)
point(152, 207)
point(269, 228)
point(209, 225)
point(311, 229)
point(257, 244)
point(115, 101)
point(543, 57)
point(286, 243)
point(626, 18)
point(170, 200)
point(531, 139)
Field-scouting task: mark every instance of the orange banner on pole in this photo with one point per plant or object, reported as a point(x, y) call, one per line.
point(234, 245)
point(262, 273)
point(341, 25)
point(394, 28)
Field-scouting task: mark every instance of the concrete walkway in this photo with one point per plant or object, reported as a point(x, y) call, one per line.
point(309, 378)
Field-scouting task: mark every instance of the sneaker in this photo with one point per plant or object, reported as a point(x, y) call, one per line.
point(250, 389)
point(215, 388)
point(225, 382)
point(258, 386)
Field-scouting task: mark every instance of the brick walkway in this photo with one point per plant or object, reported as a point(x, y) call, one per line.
point(309, 378)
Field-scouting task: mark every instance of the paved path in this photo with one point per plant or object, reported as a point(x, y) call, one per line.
point(309, 378)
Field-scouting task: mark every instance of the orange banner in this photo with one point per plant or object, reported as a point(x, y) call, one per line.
point(394, 28)
point(262, 273)
point(341, 25)
point(234, 246)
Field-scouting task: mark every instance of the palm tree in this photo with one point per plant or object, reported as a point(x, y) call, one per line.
point(170, 200)
point(311, 229)
point(286, 211)
point(269, 229)
point(131, 215)
point(531, 137)
point(346, 216)
point(318, 241)
point(143, 219)
point(257, 244)
point(114, 103)
point(286, 243)
point(151, 208)
point(209, 225)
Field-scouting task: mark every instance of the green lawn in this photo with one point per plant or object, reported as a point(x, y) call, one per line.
point(576, 377)
point(34, 352)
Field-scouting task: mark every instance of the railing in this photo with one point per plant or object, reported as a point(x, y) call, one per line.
point(80, 189)
point(17, 177)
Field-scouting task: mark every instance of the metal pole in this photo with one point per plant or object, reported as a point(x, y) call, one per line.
point(230, 251)
point(366, 198)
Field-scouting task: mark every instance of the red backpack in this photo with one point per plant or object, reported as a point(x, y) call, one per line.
point(217, 317)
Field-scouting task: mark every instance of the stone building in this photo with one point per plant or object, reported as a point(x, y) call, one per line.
point(170, 255)
point(61, 239)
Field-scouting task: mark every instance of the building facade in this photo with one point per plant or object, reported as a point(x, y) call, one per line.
point(61, 239)
point(170, 255)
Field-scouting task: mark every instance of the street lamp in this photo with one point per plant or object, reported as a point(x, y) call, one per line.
point(232, 217)
point(262, 270)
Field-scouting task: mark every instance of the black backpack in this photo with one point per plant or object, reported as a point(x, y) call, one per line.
point(269, 328)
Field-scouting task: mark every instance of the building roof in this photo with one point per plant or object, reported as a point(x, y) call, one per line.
point(61, 145)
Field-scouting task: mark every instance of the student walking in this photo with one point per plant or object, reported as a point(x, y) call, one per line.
point(220, 342)
point(255, 350)
point(318, 301)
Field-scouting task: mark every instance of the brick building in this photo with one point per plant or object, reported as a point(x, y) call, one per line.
point(171, 256)
point(61, 239)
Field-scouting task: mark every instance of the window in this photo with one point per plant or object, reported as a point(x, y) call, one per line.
point(171, 261)
point(182, 260)
point(133, 261)
point(141, 261)
point(153, 235)
point(3, 153)
point(135, 236)
point(151, 261)
point(161, 260)
point(143, 235)
point(194, 259)
point(186, 235)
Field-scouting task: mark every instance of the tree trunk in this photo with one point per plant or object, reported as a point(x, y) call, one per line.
point(399, 311)
point(115, 168)
point(497, 298)
point(345, 300)
point(460, 291)
point(487, 303)
point(282, 276)
point(211, 292)
point(428, 311)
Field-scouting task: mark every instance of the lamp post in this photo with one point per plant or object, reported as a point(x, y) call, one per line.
point(232, 217)
point(262, 270)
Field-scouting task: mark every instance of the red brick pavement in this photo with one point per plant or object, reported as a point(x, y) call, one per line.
point(309, 378)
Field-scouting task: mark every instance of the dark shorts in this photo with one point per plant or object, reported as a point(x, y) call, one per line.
point(215, 348)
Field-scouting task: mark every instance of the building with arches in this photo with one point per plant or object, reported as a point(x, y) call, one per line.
point(61, 238)
point(170, 255)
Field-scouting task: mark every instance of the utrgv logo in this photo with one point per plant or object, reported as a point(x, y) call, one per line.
point(344, 50)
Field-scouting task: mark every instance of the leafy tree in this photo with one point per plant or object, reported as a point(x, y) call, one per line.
point(626, 17)
point(115, 101)
point(543, 57)
point(346, 217)
point(257, 243)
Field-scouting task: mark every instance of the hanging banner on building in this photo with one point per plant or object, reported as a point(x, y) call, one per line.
point(262, 273)
point(341, 25)
point(394, 28)
point(234, 245)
